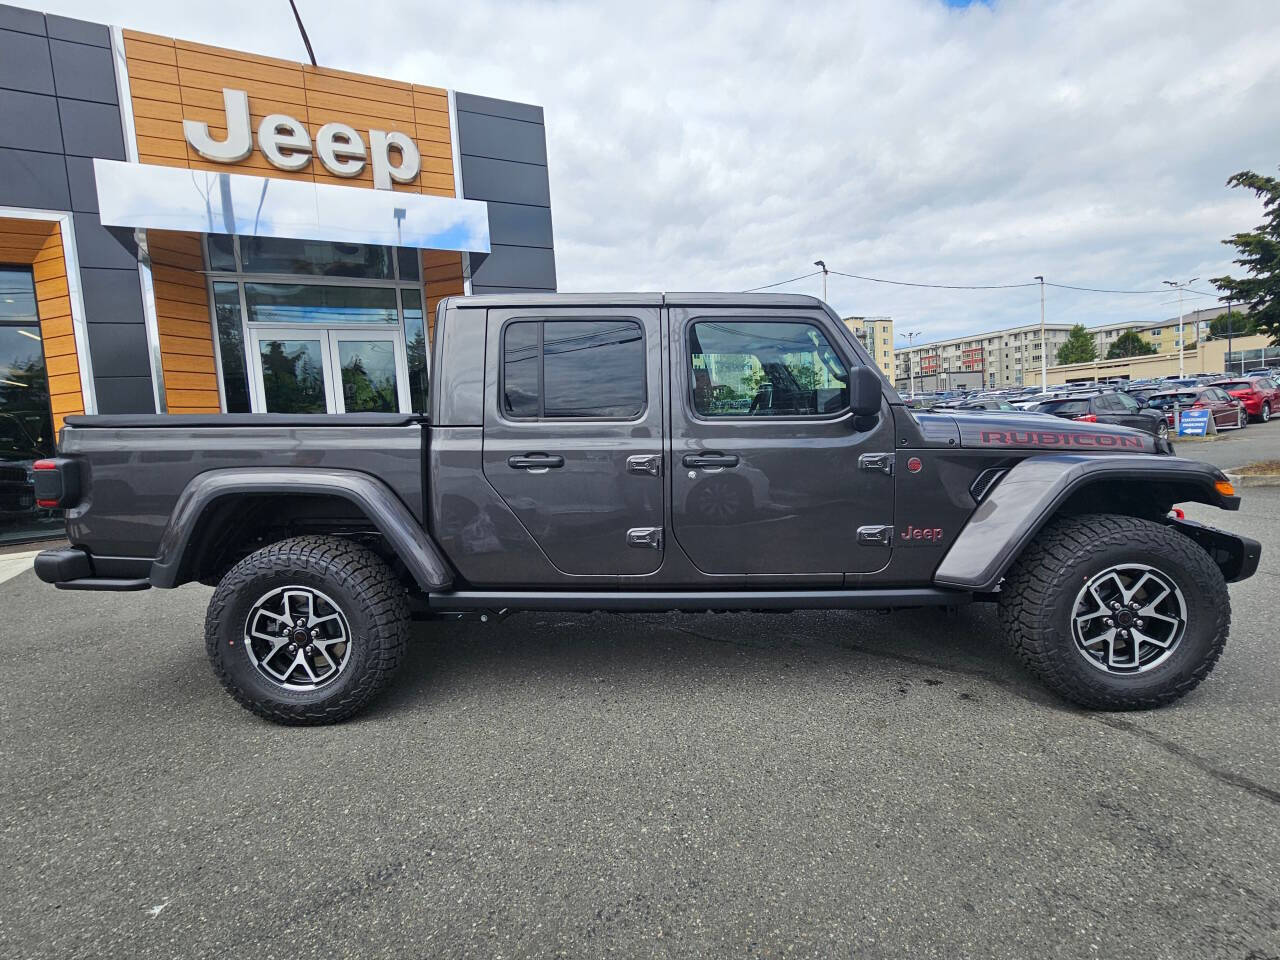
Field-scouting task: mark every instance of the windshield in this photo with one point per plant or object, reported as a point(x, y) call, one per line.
point(1062, 407)
point(1235, 385)
point(1163, 400)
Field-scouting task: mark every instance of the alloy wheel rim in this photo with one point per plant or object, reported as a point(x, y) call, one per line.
point(1128, 619)
point(297, 638)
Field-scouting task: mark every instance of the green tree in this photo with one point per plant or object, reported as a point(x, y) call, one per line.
point(1259, 255)
point(1129, 344)
point(1241, 325)
point(1078, 348)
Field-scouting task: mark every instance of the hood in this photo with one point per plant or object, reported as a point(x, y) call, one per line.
point(1000, 429)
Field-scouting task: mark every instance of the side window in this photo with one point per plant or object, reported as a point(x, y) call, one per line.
point(765, 369)
point(1127, 403)
point(573, 369)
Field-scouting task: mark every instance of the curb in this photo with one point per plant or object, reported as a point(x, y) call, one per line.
point(1254, 479)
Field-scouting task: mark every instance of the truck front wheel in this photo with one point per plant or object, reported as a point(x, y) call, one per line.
point(1115, 612)
point(307, 630)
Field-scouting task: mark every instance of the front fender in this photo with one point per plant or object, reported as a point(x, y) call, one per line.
point(1033, 491)
point(374, 498)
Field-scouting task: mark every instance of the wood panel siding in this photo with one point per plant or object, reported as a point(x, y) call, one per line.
point(442, 274)
point(172, 80)
point(38, 244)
point(184, 321)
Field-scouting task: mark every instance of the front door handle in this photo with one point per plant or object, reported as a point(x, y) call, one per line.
point(710, 460)
point(535, 461)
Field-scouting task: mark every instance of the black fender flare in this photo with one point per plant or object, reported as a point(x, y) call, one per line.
point(403, 531)
point(1031, 493)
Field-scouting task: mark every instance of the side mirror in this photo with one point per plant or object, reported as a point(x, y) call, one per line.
point(865, 392)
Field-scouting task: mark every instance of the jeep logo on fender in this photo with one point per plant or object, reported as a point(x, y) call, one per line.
point(910, 536)
point(1051, 438)
point(286, 144)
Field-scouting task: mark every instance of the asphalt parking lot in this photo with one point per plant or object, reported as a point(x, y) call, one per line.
point(807, 785)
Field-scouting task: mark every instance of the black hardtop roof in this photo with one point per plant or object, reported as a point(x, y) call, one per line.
point(533, 299)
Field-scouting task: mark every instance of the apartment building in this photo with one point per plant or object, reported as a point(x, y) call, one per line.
point(876, 334)
point(1000, 357)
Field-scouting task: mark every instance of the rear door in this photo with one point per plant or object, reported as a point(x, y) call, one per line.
point(573, 432)
point(770, 473)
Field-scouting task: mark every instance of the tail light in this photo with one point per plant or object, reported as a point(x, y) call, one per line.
point(57, 482)
point(1086, 418)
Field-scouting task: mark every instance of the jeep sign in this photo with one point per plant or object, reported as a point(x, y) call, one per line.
point(286, 144)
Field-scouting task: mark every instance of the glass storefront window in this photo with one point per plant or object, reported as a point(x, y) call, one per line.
point(315, 258)
point(415, 338)
point(293, 376)
point(26, 424)
point(222, 253)
point(235, 381)
point(408, 261)
point(277, 303)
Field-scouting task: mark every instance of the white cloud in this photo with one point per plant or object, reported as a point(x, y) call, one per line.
point(728, 145)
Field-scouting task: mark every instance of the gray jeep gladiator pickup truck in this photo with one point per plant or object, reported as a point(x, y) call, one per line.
point(638, 453)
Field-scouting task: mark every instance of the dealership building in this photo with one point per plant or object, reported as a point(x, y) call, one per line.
point(190, 229)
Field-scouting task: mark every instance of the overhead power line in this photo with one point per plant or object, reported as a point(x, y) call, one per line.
point(782, 282)
point(939, 286)
point(972, 286)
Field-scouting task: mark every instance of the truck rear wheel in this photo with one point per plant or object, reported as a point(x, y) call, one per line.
point(307, 630)
point(1116, 613)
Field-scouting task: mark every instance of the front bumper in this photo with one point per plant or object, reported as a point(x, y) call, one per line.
point(1236, 556)
point(71, 568)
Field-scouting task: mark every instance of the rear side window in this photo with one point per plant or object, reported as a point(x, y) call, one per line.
point(1065, 407)
point(763, 369)
point(573, 369)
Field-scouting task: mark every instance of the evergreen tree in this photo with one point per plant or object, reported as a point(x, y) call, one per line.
point(1129, 344)
point(1259, 256)
point(1240, 324)
point(1079, 347)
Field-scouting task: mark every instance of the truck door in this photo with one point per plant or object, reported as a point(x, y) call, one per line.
point(771, 473)
point(573, 432)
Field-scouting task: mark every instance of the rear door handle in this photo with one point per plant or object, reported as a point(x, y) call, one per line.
point(710, 460)
point(535, 461)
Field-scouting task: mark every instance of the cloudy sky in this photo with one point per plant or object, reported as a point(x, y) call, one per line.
point(723, 146)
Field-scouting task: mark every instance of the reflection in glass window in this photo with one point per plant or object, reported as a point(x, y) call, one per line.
point(235, 380)
point(315, 257)
point(368, 376)
point(222, 253)
point(293, 376)
point(407, 258)
point(574, 369)
point(310, 303)
point(415, 339)
point(775, 369)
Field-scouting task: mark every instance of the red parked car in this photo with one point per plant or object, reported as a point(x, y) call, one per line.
point(1225, 409)
point(1260, 395)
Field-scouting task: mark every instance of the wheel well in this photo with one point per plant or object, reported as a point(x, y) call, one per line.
point(1131, 496)
point(234, 526)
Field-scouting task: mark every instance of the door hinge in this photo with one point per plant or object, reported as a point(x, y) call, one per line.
point(881, 534)
point(649, 538)
point(876, 461)
point(647, 464)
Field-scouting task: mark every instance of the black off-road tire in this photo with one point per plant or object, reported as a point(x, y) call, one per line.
point(1039, 593)
point(362, 586)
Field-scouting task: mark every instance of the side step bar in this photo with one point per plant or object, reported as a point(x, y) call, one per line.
point(695, 600)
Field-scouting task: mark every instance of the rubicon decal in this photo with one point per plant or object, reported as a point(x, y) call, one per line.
point(919, 536)
point(1053, 438)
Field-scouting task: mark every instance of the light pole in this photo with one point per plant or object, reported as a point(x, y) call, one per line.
point(1044, 346)
point(911, 367)
point(825, 271)
point(1181, 346)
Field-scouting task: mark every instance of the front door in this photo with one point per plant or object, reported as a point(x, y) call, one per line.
point(771, 472)
point(573, 433)
point(301, 370)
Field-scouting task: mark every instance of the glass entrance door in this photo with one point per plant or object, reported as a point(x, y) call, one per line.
point(328, 371)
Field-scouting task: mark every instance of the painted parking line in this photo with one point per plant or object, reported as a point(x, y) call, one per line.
point(12, 564)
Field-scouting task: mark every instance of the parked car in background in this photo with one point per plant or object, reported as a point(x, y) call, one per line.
point(1260, 395)
point(1108, 406)
point(990, 403)
point(1226, 411)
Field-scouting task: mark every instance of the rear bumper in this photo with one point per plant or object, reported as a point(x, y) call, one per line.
point(71, 568)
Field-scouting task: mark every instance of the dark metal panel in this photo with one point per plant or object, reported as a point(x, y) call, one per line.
point(81, 31)
point(519, 225)
point(29, 179)
point(17, 18)
point(517, 267)
point(111, 296)
point(460, 351)
point(482, 289)
point(83, 72)
point(119, 349)
point(481, 135)
point(24, 63)
point(124, 394)
point(84, 189)
point(665, 601)
point(99, 247)
point(485, 179)
point(499, 108)
point(91, 129)
point(29, 121)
